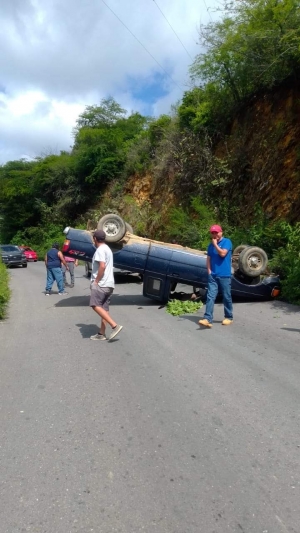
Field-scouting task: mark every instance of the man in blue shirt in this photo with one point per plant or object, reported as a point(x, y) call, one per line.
point(218, 265)
point(53, 261)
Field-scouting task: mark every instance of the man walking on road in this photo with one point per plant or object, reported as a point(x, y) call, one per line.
point(53, 261)
point(102, 286)
point(218, 265)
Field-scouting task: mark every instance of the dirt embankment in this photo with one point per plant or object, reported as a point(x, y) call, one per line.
point(263, 147)
point(262, 150)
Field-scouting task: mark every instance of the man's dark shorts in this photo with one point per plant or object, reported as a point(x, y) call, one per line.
point(100, 296)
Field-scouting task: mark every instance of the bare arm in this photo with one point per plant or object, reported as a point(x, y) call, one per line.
point(45, 259)
point(100, 272)
point(61, 257)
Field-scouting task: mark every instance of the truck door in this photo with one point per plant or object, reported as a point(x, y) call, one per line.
point(186, 267)
point(156, 284)
point(132, 256)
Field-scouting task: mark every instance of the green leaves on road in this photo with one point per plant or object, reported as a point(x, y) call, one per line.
point(177, 307)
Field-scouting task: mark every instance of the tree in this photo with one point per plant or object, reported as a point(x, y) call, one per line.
point(16, 197)
point(255, 45)
point(102, 140)
point(102, 116)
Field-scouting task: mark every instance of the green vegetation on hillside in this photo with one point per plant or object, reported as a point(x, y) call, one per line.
point(252, 48)
point(4, 290)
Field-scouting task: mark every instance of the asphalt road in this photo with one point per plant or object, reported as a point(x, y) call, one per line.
point(168, 428)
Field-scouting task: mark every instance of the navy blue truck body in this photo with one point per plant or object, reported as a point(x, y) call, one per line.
point(163, 265)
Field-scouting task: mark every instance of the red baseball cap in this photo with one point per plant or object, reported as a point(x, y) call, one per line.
point(216, 228)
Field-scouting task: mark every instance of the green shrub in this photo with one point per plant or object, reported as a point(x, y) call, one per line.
point(190, 226)
point(286, 263)
point(271, 236)
point(40, 238)
point(4, 290)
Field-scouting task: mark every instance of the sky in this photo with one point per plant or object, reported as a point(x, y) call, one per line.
point(58, 56)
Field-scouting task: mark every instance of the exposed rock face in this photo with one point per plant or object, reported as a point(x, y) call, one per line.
point(140, 188)
point(264, 152)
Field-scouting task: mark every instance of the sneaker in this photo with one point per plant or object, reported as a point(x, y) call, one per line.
point(72, 285)
point(64, 293)
point(98, 337)
point(204, 322)
point(115, 332)
point(47, 293)
point(227, 321)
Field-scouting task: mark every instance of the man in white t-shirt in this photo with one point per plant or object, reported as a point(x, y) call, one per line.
point(102, 286)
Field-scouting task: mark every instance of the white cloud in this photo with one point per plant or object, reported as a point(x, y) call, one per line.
point(57, 57)
point(33, 125)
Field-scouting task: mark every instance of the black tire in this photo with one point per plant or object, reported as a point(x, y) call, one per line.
point(87, 271)
point(129, 228)
point(24, 265)
point(253, 261)
point(240, 249)
point(114, 227)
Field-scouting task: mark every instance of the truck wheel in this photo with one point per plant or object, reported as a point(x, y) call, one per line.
point(253, 261)
point(129, 228)
point(240, 249)
point(114, 227)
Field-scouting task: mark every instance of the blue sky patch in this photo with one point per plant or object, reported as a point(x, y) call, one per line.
point(149, 90)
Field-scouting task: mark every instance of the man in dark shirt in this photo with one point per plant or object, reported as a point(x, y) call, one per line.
point(218, 265)
point(53, 261)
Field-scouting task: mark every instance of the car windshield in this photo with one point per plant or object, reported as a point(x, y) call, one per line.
point(9, 248)
point(27, 249)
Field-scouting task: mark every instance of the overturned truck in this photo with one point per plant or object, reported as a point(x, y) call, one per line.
point(163, 265)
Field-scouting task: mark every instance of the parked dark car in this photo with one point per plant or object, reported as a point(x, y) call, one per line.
point(163, 265)
point(12, 255)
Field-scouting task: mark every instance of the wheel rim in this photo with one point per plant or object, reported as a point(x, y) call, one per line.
point(111, 227)
point(254, 262)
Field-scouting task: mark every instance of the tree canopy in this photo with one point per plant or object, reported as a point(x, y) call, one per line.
point(254, 45)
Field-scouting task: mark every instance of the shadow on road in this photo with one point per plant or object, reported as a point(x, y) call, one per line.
point(117, 299)
point(73, 301)
point(87, 330)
